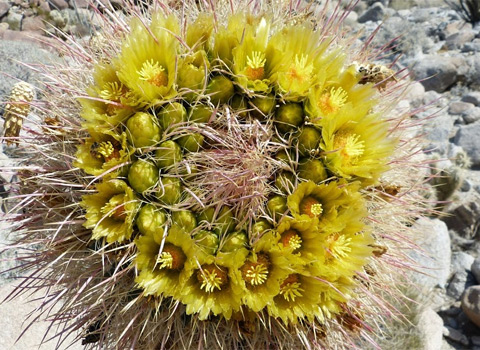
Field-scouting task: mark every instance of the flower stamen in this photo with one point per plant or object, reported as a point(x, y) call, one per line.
point(291, 239)
point(211, 278)
point(331, 102)
point(115, 208)
point(255, 66)
point(300, 70)
point(153, 73)
point(311, 207)
point(290, 288)
point(349, 145)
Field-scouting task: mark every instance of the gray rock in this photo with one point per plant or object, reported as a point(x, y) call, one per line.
point(415, 94)
point(472, 76)
point(476, 269)
point(473, 46)
point(462, 278)
point(458, 107)
point(471, 304)
point(81, 4)
point(436, 72)
point(10, 52)
point(471, 115)
point(434, 264)
point(374, 13)
point(430, 328)
point(14, 20)
point(465, 211)
point(462, 262)
point(468, 137)
point(472, 97)
point(455, 335)
point(475, 340)
point(35, 24)
point(457, 40)
point(438, 130)
point(4, 7)
point(58, 4)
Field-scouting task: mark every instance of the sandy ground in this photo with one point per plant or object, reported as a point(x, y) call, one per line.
point(12, 323)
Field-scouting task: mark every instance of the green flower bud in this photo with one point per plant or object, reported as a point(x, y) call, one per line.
point(192, 142)
point(220, 89)
point(150, 220)
point(168, 154)
point(308, 139)
point(312, 169)
point(185, 219)
point(222, 223)
point(142, 131)
point(142, 175)
point(200, 114)
point(285, 182)
point(260, 226)
point(277, 206)
point(239, 103)
point(288, 116)
point(192, 72)
point(263, 106)
point(207, 241)
point(284, 157)
point(171, 114)
point(234, 241)
point(170, 190)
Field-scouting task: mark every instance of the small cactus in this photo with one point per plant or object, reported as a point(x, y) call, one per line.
point(17, 109)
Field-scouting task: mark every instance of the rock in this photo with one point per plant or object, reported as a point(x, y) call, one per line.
point(434, 264)
point(475, 340)
point(35, 24)
point(4, 7)
point(14, 20)
point(374, 13)
point(57, 19)
point(472, 77)
point(415, 94)
point(406, 4)
point(471, 115)
point(473, 46)
point(462, 278)
point(458, 107)
point(471, 304)
point(10, 51)
point(462, 261)
point(476, 269)
point(430, 328)
point(436, 72)
point(465, 211)
point(438, 130)
point(455, 335)
point(58, 4)
point(468, 137)
point(81, 4)
point(457, 40)
point(472, 97)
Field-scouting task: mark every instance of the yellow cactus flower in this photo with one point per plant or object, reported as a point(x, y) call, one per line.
point(249, 58)
point(298, 298)
point(300, 237)
point(213, 288)
point(147, 60)
point(332, 204)
point(357, 144)
point(164, 260)
point(111, 211)
point(104, 155)
point(262, 272)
